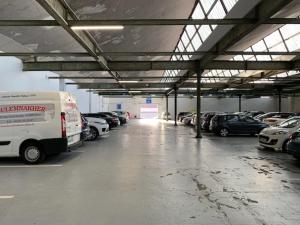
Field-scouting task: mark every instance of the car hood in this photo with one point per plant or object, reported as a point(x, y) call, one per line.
point(271, 130)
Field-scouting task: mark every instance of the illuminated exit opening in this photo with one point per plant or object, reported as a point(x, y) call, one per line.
point(149, 111)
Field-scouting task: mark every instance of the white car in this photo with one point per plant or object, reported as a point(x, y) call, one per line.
point(98, 127)
point(277, 137)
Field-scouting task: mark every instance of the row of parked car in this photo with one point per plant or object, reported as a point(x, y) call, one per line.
point(99, 124)
point(276, 130)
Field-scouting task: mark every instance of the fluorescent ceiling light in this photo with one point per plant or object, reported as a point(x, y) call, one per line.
point(128, 81)
point(135, 91)
point(97, 27)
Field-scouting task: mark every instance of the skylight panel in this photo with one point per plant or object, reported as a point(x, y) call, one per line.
point(293, 43)
point(217, 12)
point(191, 30)
point(198, 13)
point(229, 4)
point(190, 48)
point(180, 47)
point(259, 46)
point(185, 40)
point(207, 4)
point(204, 32)
point(196, 41)
point(273, 39)
point(289, 30)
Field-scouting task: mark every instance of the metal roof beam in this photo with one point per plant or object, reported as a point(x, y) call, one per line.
point(160, 65)
point(146, 22)
point(120, 54)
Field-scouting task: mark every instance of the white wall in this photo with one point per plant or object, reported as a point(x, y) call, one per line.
point(13, 79)
point(268, 104)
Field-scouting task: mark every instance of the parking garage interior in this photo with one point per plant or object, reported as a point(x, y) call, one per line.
point(165, 66)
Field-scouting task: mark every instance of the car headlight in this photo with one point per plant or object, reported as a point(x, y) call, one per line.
point(279, 133)
point(103, 123)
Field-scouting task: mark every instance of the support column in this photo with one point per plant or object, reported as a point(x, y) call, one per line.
point(175, 105)
point(279, 100)
point(167, 107)
point(240, 103)
point(199, 73)
point(90, 101)
point(62, 86)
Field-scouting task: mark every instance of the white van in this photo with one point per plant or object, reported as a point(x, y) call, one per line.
point(36, 124)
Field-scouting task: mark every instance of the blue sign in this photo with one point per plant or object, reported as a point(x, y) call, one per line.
point(119, 106)
point(149, 100)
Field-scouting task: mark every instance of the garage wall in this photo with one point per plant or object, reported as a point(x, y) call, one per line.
point(13, 79)
point(266, 104)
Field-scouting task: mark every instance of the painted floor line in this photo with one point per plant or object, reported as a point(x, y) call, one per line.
point(6, 196)
point(29, 166)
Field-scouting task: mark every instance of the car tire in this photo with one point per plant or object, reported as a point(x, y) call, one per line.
point(284, 146)
point(223, 132)
point(32, 153)
point(94, 134)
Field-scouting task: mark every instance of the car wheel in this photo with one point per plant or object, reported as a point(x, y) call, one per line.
point(284, 146)
point(94, 134)
point(224, 132)
point(32, 153)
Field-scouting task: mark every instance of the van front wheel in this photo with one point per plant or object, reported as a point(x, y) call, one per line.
point(32, 153)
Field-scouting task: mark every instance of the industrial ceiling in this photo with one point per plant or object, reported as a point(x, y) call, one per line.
point(235, 47)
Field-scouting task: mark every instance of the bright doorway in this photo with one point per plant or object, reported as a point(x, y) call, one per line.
point(149, 111)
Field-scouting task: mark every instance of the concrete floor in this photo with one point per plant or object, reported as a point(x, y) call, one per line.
point(153, 173)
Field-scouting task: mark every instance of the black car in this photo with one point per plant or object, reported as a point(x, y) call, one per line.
point(122, 119)
point(293, 146)
point(226, 124)
point(112, 122)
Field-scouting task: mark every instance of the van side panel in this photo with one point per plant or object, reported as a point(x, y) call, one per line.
point(34, 116)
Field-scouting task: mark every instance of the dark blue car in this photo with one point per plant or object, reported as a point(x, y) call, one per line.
point(226, 124)
point(293, 146)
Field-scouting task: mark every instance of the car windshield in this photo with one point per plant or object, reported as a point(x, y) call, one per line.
point(290, 123)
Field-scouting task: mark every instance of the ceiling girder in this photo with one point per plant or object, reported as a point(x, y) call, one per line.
point(120, 54)
point(160, 65)
point(144, 22)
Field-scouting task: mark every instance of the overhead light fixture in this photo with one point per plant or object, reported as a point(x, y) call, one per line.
point(128, 81)
point(116, 27)
point(135, 91)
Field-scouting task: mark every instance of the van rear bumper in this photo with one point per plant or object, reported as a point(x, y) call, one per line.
point(54, 145)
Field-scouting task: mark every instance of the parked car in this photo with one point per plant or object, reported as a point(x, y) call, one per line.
point(293, 146)
point(112, 122)
point(226, 124)
point(98, 127)
point(277, 137)
point(266, 115)
point(85, 129)
point(254, 113)
point(121, 121)
point(36, 124)
point(187, 119)
point(206, 120)
point(278, 118)
point(123, 114)
point(181, 115)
